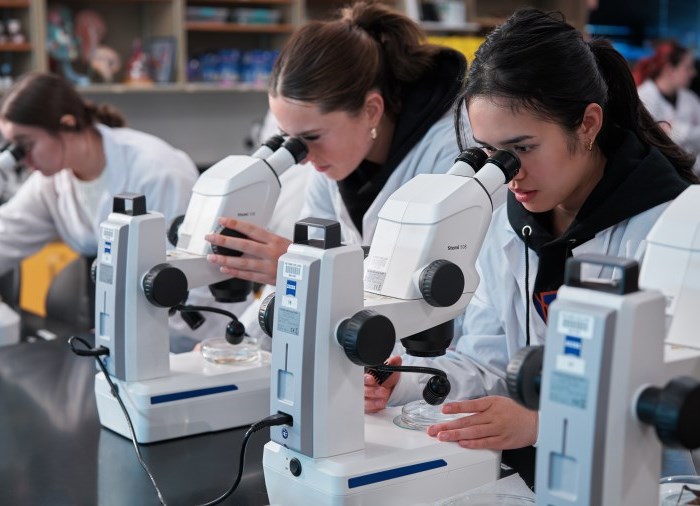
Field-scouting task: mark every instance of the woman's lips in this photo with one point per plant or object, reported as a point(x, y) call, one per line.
point(523, 196)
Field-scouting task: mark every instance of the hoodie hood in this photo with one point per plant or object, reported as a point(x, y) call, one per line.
point(423, 103)
point(636, 178)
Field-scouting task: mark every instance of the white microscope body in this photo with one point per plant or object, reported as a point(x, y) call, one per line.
point(602, 419)
point(9, 319)
point(169, 396)
point(324, 333)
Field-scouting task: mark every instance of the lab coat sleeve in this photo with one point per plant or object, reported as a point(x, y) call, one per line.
point(168, 191)
point(25, 223)
point(685, 129)
point(319, 198)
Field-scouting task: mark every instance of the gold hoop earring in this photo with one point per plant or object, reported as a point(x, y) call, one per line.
point(373, 133)
point(590, 145)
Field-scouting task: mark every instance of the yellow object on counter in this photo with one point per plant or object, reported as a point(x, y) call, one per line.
point(38, 271)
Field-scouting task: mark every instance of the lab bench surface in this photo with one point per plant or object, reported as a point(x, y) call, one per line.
point(53, 450)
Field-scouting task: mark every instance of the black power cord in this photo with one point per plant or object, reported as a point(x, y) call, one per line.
point(235, 330)
point(97, 352)
point(270, 421)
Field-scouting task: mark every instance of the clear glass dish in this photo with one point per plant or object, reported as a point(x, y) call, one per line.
point(678, 490)
point(488, 500)
point(419, 415)
point(219, 351)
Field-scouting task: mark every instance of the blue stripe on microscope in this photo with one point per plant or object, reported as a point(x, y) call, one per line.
point(177, 396)
point(390, 474)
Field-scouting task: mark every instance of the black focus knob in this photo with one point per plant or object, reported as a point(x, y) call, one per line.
point(436, 390)
point(441, 283)
point(165, 285)
point(174, 229)
point(674, 411)
point(367, 338)
point(235, 332)
point(524, 376)
point(220, 250)
point(266, 314)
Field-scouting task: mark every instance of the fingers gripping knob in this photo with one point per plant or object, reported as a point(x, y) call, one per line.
point(227, 232)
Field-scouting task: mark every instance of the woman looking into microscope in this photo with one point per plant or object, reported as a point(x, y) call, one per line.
point(596, 173)
point(372, 99)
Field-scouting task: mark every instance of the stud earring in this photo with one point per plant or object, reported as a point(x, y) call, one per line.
point(373, 133)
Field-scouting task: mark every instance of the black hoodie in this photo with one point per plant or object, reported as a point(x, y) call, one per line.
point(423, 103)
point(636, 178)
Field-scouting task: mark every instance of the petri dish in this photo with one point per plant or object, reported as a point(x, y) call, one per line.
point(679, 490)
point(488, 500)
point(419, 415)
point(219, 351)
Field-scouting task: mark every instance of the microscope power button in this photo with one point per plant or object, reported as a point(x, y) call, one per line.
point(295, 467)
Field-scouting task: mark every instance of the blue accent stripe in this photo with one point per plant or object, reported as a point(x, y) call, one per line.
point(390, 474)
point(177, 396)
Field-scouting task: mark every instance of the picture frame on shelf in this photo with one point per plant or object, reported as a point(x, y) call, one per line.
point(161, 51)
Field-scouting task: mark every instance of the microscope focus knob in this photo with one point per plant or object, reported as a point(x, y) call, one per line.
point(674, 411)
point(367, 338)
point(524, 376)
point(266, 314)
point(174, 229)
point(165, 285)
point(441, 283)
point(93, 270)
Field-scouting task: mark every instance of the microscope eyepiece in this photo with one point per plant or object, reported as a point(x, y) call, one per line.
point(475, 157)
point(274, 142)
point(297, 148)
point(507, 161)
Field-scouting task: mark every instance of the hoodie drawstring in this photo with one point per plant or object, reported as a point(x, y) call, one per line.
point(527, 231)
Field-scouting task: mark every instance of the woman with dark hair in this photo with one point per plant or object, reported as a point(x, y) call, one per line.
point(372, 100)
point(81, 156)
point(597, 171)
point(662, 82)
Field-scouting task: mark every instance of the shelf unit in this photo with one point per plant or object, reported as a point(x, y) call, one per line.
point(148, 19)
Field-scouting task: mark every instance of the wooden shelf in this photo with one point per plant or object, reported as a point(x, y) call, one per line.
point(119, 88)
point(213, 26)
point(15, 48)
point(14, 4)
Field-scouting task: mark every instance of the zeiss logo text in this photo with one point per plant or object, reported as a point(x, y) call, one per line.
point(291, 288)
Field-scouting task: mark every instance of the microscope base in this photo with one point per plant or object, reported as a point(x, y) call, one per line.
point(196, 397)
point(397, 467)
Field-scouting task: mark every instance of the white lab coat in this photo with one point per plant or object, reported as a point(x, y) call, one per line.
point(434, 153)
point(494, 321)
point(684, 118)
point(48, 208)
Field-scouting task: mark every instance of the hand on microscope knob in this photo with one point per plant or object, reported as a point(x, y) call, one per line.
point(492, 422)
point(377, 394)
point(261, 250)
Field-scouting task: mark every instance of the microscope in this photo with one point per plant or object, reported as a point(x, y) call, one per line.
point(327, 325)
point(138, 281)
point(603, 416)
point(10, 155)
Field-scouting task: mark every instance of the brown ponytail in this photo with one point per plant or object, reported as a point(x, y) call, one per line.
point(335, 63)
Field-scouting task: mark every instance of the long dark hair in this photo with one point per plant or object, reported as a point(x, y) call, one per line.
point(538, 62)
point(335, 63)
point(42, 99)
